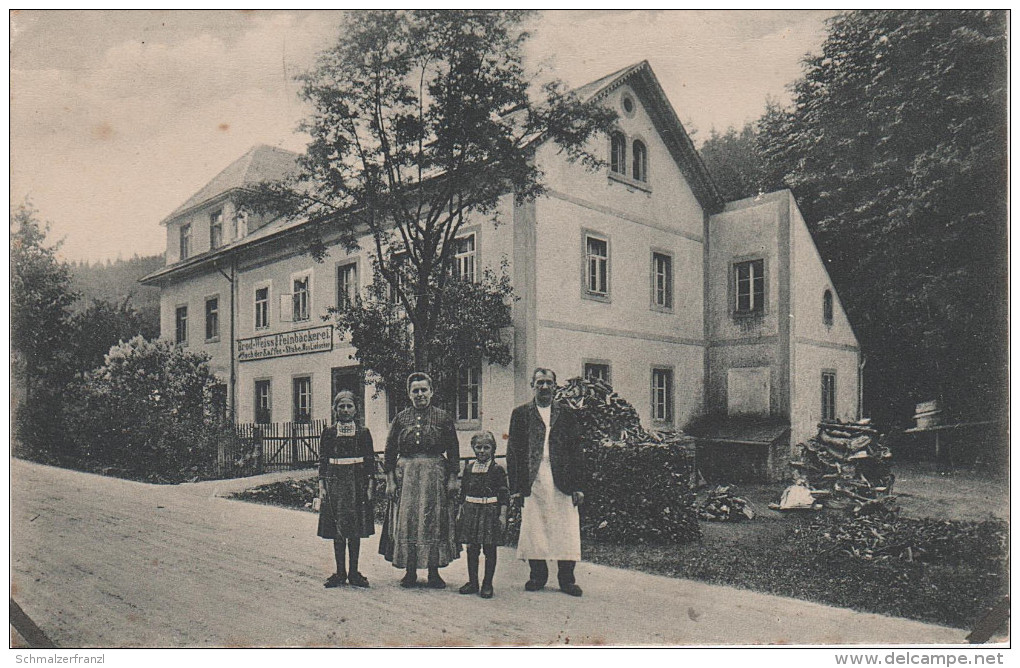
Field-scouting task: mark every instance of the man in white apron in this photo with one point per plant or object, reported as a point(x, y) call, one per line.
point(545, 466)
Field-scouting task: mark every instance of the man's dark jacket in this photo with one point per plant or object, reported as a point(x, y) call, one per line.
point(524, 449)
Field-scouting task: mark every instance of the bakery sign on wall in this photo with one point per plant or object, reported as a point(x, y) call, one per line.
point(298, 342)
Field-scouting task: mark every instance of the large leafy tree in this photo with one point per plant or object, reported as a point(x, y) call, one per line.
point(101, 325)
point(733, 161)
point(422, 121)
point(41, 298)
point(896, 149)
point(51, 344)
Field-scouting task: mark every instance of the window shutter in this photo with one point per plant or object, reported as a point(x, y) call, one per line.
point(287, 308)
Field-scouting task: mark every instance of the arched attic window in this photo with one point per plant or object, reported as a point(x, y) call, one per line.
point(618, 153)
point(640, 171)
point(827, 307)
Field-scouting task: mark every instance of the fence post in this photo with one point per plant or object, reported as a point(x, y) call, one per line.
point(257, 440)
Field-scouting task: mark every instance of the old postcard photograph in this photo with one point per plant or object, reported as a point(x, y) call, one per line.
point(506, 328)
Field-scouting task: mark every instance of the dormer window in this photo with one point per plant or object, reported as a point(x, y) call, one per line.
point(618, 153)
point(241, 224)
point(640, 171)
point(185, 241)
point(216, 229)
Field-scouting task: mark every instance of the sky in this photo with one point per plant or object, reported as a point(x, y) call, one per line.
point(117, 117)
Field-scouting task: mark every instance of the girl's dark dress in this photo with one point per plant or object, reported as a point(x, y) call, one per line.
point(481, 496)
point(346, 509)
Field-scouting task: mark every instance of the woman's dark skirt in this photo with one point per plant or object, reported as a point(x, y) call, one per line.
point(346, 510)
point(418, 530)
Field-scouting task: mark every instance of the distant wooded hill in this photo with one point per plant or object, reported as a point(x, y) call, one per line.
point(115, 281)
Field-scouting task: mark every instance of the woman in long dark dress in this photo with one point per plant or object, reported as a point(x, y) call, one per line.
point(346, 465)
point(422, 461)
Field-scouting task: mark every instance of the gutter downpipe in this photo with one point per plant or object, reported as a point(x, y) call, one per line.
point(233, 339)
point(233, 374)
point(860, 385)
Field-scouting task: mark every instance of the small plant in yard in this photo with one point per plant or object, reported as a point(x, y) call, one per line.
point(299, 494)
point(287, 493)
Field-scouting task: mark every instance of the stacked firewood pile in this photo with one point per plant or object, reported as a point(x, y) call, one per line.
point(723, 505)
point(846, 466)
point(640, 484)
point(602, 414)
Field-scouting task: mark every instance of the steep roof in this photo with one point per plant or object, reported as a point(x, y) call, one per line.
point(260, 163)
point(642, 79)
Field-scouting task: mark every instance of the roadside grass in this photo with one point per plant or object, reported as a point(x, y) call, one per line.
point(784, 559)
point(796, 555)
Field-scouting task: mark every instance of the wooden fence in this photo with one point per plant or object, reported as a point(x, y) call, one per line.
point(278, 446)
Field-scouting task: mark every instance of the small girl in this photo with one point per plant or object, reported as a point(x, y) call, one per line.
point(346, 465)
point(485, 499)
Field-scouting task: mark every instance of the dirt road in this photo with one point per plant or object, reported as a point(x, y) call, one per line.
point(102, 562)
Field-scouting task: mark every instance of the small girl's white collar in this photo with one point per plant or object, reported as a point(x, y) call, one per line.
point(478, 467)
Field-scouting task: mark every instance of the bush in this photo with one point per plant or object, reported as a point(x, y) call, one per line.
point(148, 413)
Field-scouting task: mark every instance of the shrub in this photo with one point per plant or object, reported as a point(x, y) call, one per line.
point(148, 413)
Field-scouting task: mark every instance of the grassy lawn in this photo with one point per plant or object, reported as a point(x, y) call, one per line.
point(783, 558)
point(958, 576)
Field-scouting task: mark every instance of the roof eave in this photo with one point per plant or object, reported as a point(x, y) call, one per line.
point(195, 207)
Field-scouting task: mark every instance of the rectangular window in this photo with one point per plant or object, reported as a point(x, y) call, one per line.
point(263, 402)
point(749, 284)
point(216, 229)
point(828, 395)
point(181, 325)
point(240, 224)
point(303, 399)
point(469, 382)
point(262, 307)
point(464, 258)
point(301, 298)
point(662, 395)
point(662, 281)
point(346, 284)
point(398, 264)
point(185, 241)
point(597, 371)
point(212, 318)
point(596, 279)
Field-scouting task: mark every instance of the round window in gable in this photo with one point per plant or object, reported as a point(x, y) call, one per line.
point(628, 104)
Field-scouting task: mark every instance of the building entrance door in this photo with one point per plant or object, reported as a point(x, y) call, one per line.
point(349, 378)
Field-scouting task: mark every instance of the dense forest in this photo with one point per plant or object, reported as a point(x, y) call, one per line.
point(895, 147)
point(116, 281)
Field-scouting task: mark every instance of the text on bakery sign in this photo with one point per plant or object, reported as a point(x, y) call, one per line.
point(299, 342)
